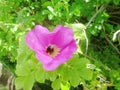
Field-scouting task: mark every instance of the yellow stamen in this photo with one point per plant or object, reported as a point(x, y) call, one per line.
point(52, 50)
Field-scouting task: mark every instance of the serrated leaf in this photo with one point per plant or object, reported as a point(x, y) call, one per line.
point(56, 84)
point(26, 65)
point(79, 65)
point(65, 86)
point(25, 68)
point(76, 70)
point(75, 81)
point(23, 50)
point(19, 83)
point(22, 70)
point(40, 75)
point(86, 74)
point(72, 76)
point(53, 74)
point(29, 82)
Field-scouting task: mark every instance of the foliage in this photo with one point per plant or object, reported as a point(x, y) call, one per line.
point(29, 69)
point(96, 69)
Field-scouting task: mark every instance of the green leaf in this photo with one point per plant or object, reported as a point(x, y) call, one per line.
point(23, 50)
point(19, 83)
point(116, 2)
point(79, 36)
point(77, 70)
point(52, 75)
point(50, 9)
point(72, 76)
point(81, 67)
point(56, 84)
point(29, 82)
point(86, 74)
point(22, 69)
point(26, 67)
point(77, 29)
point(107, 1)
point(75, 81)
point(47, 3)
point(25, 82)
point(80, 64)
point(65, 86)
point(117, 85)
point(40, 75)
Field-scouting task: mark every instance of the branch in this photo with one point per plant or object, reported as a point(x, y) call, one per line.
point(112, 45)
point(97, 61)
point(90, 21)
point(86, 40)
point(93, 17)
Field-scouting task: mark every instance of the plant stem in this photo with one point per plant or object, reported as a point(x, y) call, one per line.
point(112, 45)
point(93, 59)
point(90, 21)
point(93, 17)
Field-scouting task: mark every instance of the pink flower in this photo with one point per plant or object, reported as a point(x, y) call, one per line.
point(52, 48)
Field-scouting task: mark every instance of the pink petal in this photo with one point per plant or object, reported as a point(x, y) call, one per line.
point(43, 57)
point(40, 29)
point(51, 66)
point(42, 34)
point(32, 41)
point(63, 57)
point(38, 38)
point(62, 36)
point(68, 51)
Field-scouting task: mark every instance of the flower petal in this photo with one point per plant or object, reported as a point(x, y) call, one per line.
point(51, 66)
point(43, 58)
point(42, 34)
point(68, 51)
point(38, 38)
point(32, 41)
point(41, 29)
point(62, 36)
point(63, 57)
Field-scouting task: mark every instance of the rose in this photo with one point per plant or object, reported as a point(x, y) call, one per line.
point(52, 48)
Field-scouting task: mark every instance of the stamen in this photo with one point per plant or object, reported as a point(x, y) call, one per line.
point(52, 50)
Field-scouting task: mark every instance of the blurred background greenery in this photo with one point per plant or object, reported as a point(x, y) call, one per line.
point(100, 17)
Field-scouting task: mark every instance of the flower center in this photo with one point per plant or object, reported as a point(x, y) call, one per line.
point(52, 50)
